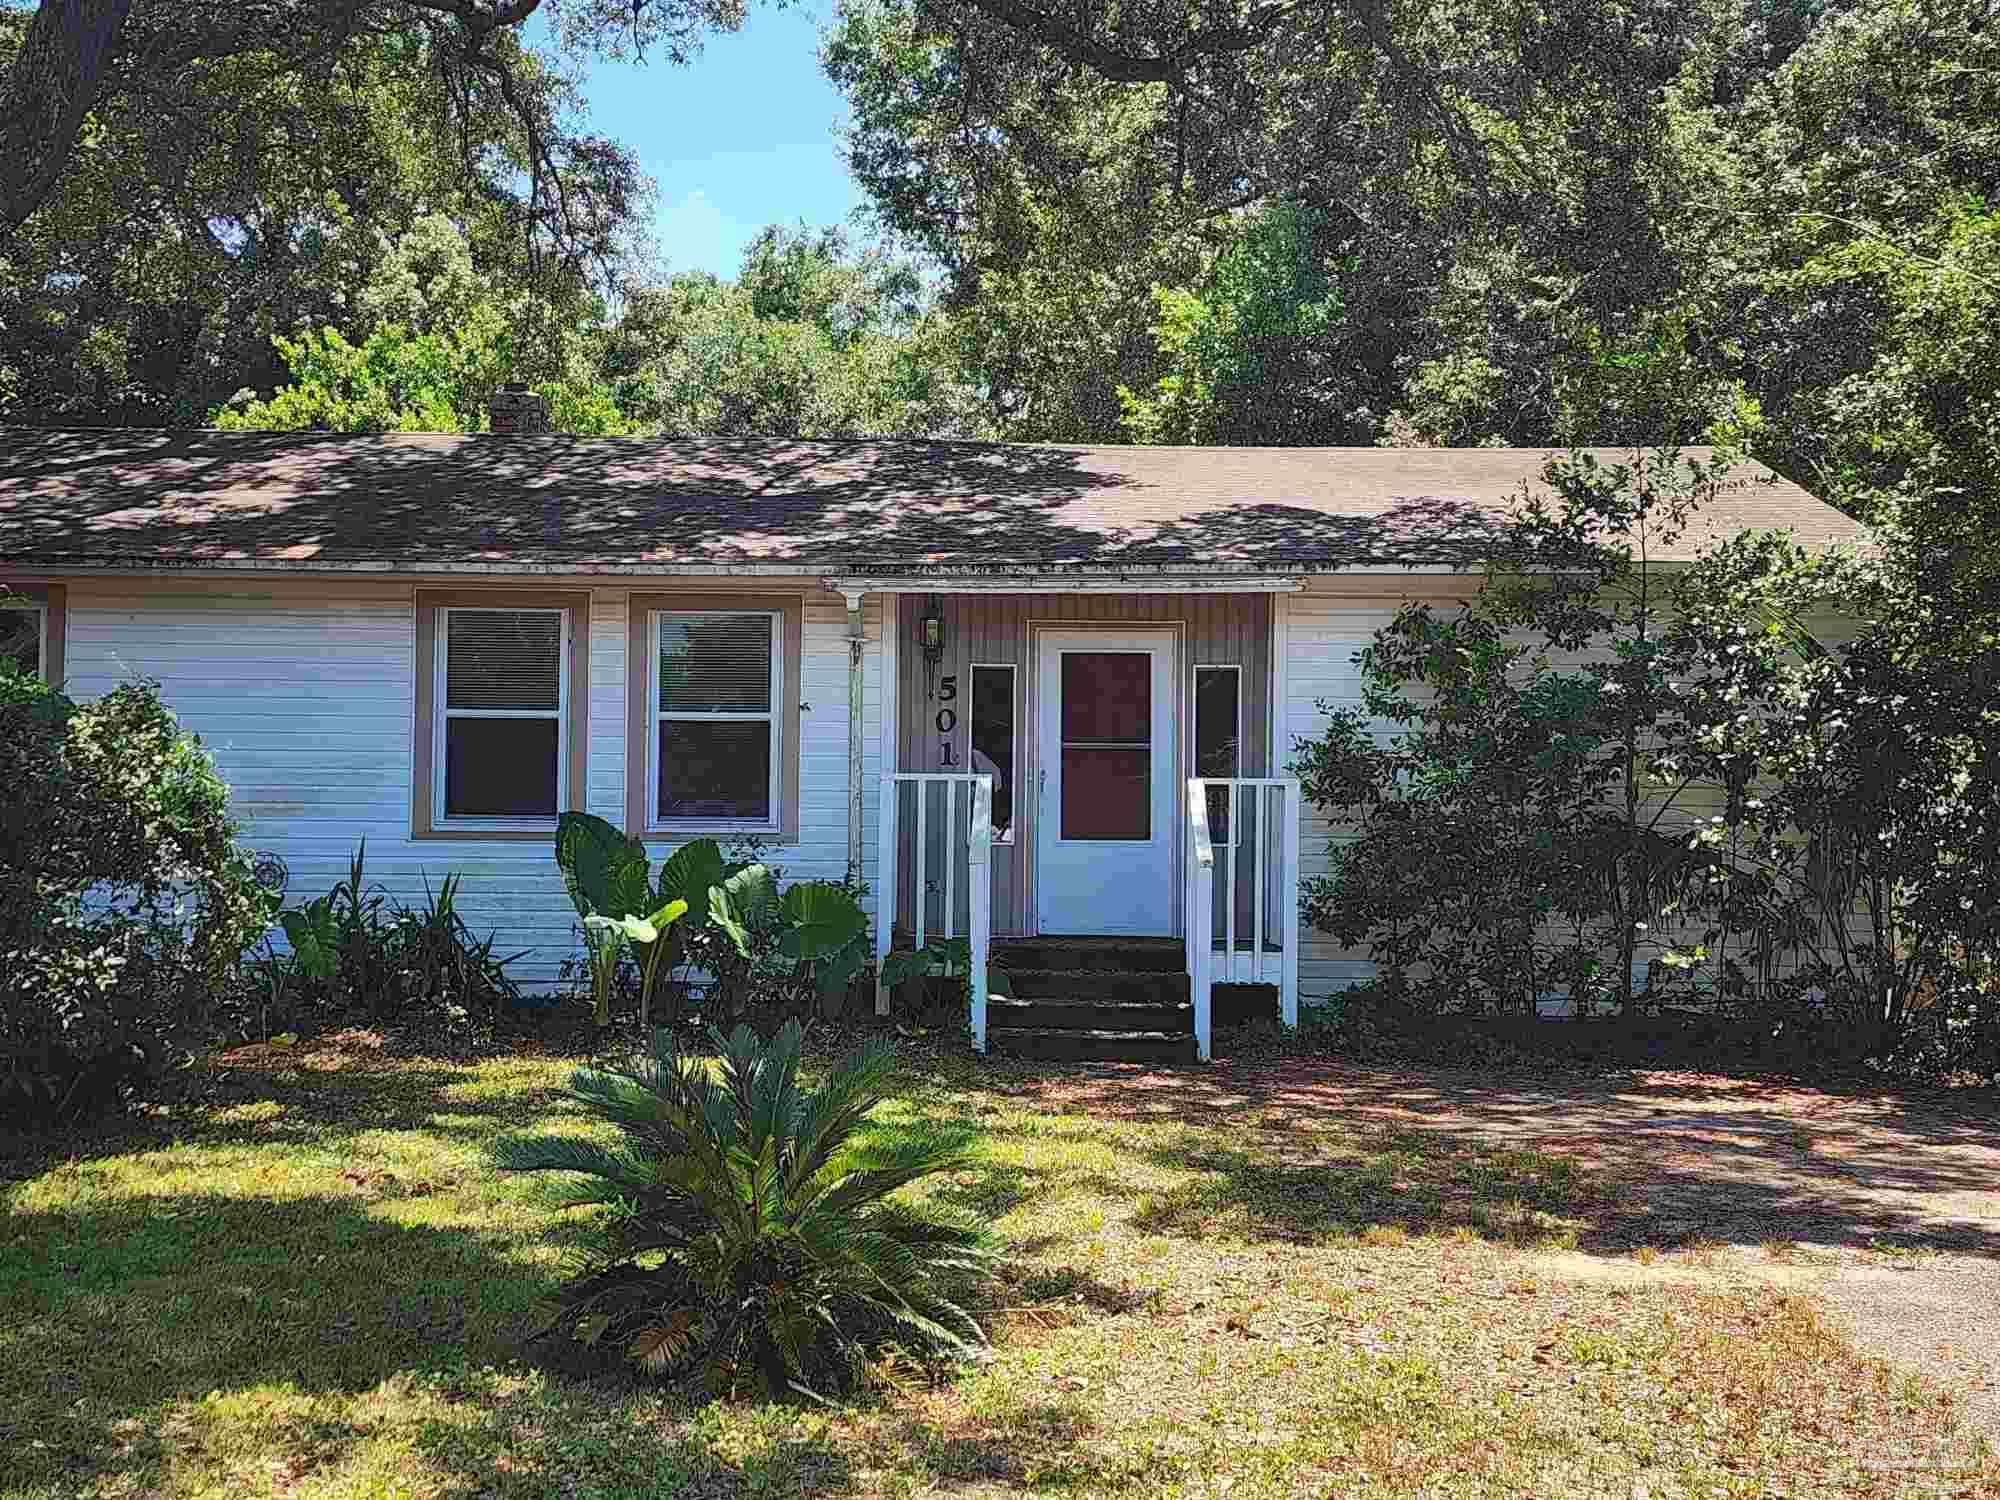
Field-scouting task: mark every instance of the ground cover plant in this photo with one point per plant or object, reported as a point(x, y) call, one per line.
point(316, 1285)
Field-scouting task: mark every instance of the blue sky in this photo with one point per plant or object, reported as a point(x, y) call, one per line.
point(740, 138)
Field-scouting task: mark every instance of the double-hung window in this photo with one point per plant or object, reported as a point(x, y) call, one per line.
point(715, 714)
point(499, 727)
point(718, 736)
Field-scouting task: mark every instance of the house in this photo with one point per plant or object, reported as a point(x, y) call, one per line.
point(436, 642)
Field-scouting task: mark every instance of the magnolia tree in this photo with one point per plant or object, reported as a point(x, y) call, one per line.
point(1622, 784)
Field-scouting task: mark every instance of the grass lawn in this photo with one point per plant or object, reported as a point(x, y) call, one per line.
point(315, 1286)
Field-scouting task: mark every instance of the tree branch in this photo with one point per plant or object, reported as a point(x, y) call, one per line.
point(1125, 67)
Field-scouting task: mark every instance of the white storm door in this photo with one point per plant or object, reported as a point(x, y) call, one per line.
point(1105, 831)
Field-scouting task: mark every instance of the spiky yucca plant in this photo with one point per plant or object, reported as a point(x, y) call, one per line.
point(747, 1239)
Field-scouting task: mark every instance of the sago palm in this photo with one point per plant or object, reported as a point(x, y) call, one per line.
point(747, 1238)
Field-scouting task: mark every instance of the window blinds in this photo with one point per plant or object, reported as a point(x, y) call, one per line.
point(503, 660)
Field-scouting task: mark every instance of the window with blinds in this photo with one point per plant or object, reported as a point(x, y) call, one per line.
point(23, 631)
point(503, 690)
point(717, 684)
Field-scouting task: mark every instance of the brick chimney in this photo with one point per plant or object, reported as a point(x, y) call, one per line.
point(515, 408)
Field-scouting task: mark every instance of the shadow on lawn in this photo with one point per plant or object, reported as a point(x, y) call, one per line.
point(1296, 1148)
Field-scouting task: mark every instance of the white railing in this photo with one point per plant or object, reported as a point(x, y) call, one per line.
point(1259, 945)
point(978, 847)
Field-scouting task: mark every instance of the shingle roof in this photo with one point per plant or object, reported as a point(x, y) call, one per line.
point(131, 497)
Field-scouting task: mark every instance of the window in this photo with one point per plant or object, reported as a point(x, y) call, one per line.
point(716, 740)
point(992, 741)
point(1218, 738)
point(1107, 745)
point(31, 628)
point(715, 715)
point(500, 723)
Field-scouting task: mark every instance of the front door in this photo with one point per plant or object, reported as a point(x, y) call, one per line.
point(1105, 841)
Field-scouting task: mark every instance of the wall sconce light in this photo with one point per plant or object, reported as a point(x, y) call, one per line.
point(930, 629)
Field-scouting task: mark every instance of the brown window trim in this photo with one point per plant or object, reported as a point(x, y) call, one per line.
point(54, 600)
point(639, 719)
point(423, 824)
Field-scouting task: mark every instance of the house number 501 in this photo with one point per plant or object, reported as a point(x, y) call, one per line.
point(947, 721)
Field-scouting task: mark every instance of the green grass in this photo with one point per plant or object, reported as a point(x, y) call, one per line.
point(316, 1287)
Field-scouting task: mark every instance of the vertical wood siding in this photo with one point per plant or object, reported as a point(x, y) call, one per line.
point(305, 695)
point(994, 629)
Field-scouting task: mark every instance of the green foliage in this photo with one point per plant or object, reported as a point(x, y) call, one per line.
point(746, 1238)
point(608, 879)
point(810, 340)
point(125, 902)
point(438, 339)
point(218, 201)
point(355, 951)
point(1258, 329)
point(1610, 784)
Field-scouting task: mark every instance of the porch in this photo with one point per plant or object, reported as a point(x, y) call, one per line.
point(1080, 787)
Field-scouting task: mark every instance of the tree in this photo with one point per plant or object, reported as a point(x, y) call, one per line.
point(151, 285)
point(1255, 355)
point(79, 59)
point(434, 339)
point(811, 340)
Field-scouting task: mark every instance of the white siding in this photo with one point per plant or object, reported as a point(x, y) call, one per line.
point(1322, 632)
point(306, 697)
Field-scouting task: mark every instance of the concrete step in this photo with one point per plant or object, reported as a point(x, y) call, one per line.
point(1061, 1014)
point(1102, 1046)
point(1111, 955)
point(1116, 987)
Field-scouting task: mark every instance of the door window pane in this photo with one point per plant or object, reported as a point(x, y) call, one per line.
point(715, 769)
point(1107, 697)
point(1217, 727)
point(1107, 793)
point(993, 739)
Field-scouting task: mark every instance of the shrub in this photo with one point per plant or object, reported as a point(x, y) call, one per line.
point(355, 951)
point(767, 949)
point(1804, 837)
point(125, 902)
point(746, 1238)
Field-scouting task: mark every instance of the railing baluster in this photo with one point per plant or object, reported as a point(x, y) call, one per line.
point(923, 896)
point(950, 858)
point(979, 901)
point(888, 883)
point(1260, 864)
point(1288, 975)
point(1229, 961)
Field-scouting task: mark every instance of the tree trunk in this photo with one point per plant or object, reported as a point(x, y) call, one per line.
point(48, 90)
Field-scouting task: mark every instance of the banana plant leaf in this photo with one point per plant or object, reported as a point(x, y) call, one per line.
point(604, 871)
point(640, 930)
point(741, 904)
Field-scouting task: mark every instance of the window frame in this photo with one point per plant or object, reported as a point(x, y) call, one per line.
point(656, 621)
point(642, 792)
point(428, 819)
point(49, 603)
point(972, 669)
point(1194, 731)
